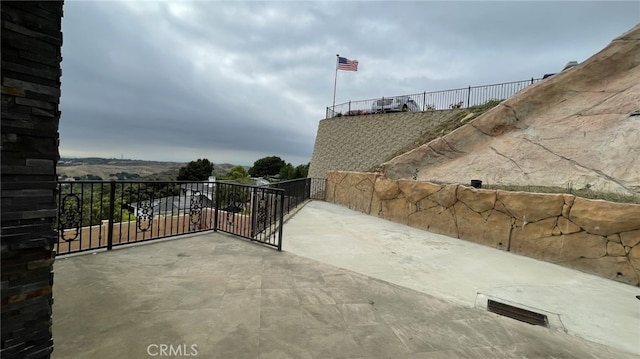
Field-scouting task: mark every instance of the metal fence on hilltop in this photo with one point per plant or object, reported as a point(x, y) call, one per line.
point(436, 100)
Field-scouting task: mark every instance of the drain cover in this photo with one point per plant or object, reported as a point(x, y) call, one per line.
point(520, 314)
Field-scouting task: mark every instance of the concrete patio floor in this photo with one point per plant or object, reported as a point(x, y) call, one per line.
point(217, 296)
point(584, 305)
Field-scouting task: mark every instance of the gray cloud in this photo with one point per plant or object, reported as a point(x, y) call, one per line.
point(237, 81)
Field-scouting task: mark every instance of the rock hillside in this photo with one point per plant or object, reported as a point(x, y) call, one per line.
point(579, 129)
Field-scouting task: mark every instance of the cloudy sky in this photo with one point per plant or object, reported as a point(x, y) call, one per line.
point(237, 81)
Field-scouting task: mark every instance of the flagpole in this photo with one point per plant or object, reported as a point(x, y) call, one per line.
point(335, 81)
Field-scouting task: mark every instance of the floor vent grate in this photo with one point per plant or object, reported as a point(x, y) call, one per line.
point(520, 314)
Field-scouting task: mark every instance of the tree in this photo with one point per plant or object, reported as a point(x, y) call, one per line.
point(237, 173)
point(302, 171)
point(267, 166)
point(287, 172)
point(199, 170)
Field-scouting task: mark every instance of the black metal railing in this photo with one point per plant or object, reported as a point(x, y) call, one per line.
point(299, 190)
point(430, 101)
point(318, 188)
point(103, 214)
point(252, 212)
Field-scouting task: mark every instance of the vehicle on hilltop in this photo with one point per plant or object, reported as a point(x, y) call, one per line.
point(395, 104)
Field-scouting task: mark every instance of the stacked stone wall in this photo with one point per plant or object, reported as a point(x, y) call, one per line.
point(31, 56)
point(360, 143)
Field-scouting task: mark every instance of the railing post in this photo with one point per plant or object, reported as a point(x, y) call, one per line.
point(112, 209)
point(468, 96)
point(254, 209)
point(349, 108)
point(424, 101)
point(281, 220)
point(216, 199)
point(324, 189)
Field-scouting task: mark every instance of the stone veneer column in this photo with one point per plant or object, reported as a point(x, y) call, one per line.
point(31, 57)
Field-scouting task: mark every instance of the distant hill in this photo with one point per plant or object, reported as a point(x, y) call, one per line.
point(124, 169)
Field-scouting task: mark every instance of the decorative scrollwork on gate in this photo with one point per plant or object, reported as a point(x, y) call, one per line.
point(70, 217)
point(144, 212)
point(262, 210)
point(232, 208)
point(231, 219)
point(195, 207)
point(233, 201)
point(261, 213)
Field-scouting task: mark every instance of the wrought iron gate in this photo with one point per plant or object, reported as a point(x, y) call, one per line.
point(252, 212)
point(103, 214)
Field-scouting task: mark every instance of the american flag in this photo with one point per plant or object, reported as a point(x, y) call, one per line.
point(347, 65)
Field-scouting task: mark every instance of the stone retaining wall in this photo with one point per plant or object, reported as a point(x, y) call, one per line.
point(594, 236)
point(359, 143)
